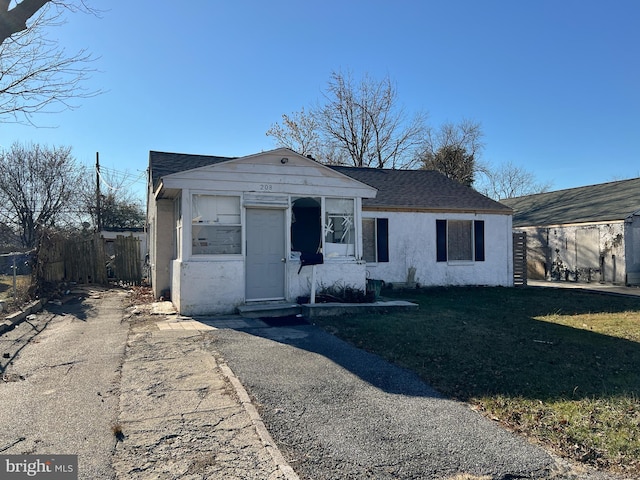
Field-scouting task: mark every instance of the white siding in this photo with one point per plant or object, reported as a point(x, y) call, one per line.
point(161, 247)
point(266, 174)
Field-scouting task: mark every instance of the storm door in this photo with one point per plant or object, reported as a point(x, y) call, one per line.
point(265, 267)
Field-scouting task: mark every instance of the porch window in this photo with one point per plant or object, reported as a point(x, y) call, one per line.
point(216, 226)
point(306, 225)
point(460, 240)
point(339, 228)
point(375, 239)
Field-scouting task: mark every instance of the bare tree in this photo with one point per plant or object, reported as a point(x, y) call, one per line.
point(509, 180)
point(454, 150)
point(15, 20)
point(299, 131)
point(365, 122)
point(37, 188)
point(36, 75)
point(119, 208)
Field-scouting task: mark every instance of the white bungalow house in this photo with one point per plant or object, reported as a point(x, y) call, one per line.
point(224, 232)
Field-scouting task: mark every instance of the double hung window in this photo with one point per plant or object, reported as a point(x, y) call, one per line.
point(460, 240)
point(215, 226)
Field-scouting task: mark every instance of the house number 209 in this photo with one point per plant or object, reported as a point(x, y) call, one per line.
point(266, 187)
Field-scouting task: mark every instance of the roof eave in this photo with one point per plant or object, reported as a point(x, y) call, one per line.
point(417, 209)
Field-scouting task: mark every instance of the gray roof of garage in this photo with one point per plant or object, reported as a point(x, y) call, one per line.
point(604, 202)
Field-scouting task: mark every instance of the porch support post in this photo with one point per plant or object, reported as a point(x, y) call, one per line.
point(313, 284)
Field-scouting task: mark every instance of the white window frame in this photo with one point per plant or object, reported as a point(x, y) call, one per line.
point(227, 223)
point(337, 250)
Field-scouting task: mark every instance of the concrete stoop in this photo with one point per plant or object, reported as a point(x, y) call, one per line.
point(270, 310)
point(334, 309)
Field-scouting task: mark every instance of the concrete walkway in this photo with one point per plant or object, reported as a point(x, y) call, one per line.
point(183, 414)
point(59, 392)
point(605, 288)
point(134, 396)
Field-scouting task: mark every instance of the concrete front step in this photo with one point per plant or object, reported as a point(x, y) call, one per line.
point(269, 310)
point(335, 309)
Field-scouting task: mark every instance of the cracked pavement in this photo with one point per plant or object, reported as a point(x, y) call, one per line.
point(133, 401)
point(210, 435)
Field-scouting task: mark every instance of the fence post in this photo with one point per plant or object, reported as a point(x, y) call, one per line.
point(15, 273)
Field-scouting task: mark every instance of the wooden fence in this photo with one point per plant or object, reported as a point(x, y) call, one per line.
point(520, 259)
point(89, 260)
point(127, 260)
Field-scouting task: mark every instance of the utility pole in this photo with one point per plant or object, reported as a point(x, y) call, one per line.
point(98, 213)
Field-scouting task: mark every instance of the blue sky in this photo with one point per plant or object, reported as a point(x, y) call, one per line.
point(555, 84)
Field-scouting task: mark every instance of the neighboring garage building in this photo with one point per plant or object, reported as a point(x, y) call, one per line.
point(585, 234)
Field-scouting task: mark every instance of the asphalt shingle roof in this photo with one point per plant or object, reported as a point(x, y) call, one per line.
point(164, 163)
point(591, 204)
point(400, 189)
point(420, 189)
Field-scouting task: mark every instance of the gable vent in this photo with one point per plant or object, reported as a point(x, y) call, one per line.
point(261, 200)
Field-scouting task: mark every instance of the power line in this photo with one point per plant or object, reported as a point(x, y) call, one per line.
point(126, 177)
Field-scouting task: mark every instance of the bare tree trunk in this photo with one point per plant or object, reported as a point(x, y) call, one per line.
point(15, 20)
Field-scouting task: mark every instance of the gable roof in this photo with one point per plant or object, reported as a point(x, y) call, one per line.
point(397, 189)
point(165, 163)
point(599, 203)
point(420, 190)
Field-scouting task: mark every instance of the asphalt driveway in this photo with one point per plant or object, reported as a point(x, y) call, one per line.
point(338, 412)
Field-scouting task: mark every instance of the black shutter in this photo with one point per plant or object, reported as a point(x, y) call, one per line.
point(441, 240)
point(383, 239)
point(478, 235)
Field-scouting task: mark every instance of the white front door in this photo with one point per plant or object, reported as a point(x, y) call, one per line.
point(265, 267)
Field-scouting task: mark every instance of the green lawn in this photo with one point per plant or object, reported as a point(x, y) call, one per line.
point(560, 366)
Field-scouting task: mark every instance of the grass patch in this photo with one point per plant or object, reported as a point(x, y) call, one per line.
point(560, 366)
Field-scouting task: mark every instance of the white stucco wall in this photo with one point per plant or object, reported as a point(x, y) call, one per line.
point(208, 287)
point(412, 244)
point(217, 286)
point(329, 274)
point(161, 248)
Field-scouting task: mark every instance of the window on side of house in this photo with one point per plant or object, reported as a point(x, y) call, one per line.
point(460, 240)
point(339, 228)
point(216, 226)
point(375, 240)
